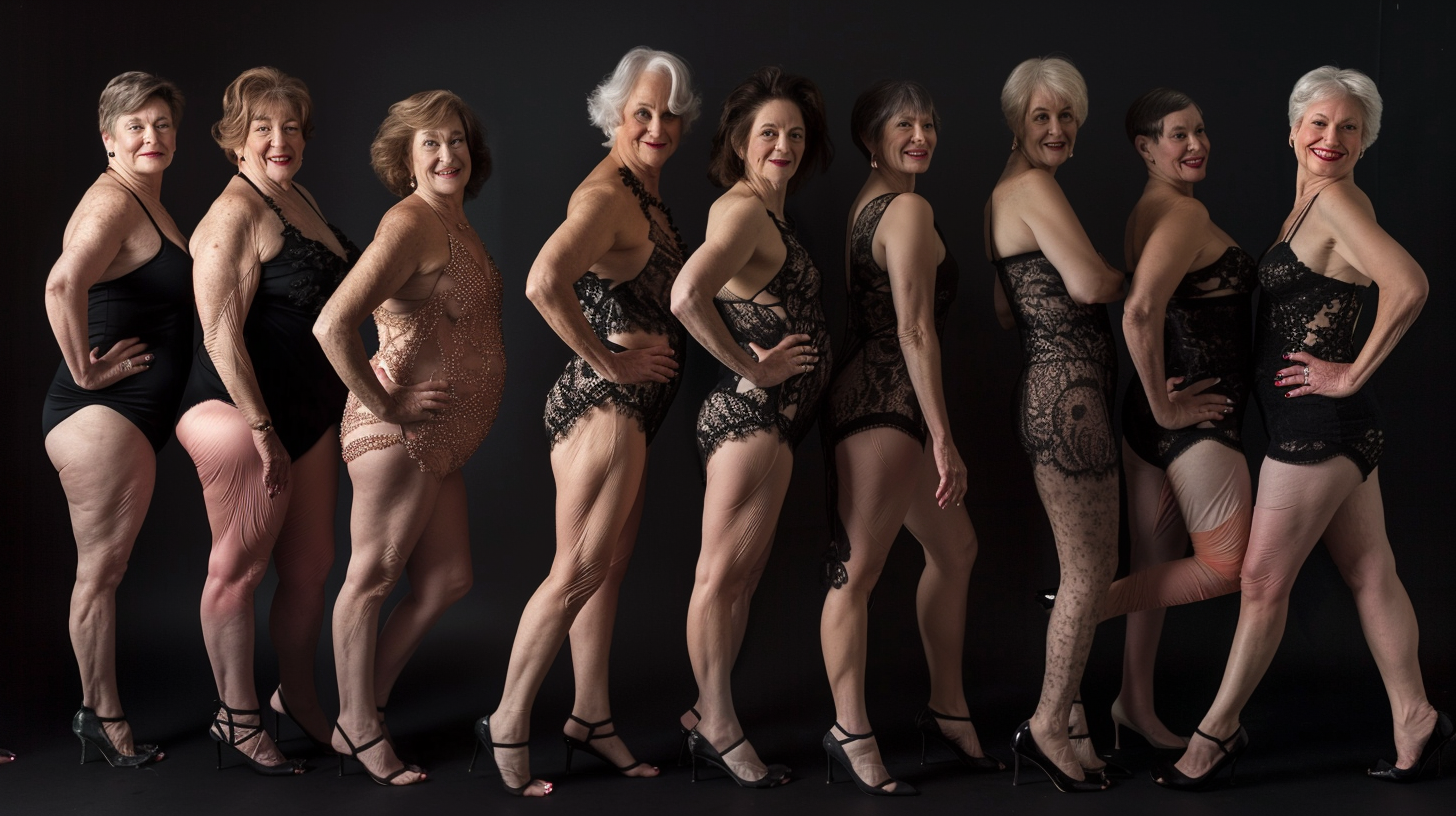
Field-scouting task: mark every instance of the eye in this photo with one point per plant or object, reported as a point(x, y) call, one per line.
point(797, 135)
point(928, 126)
point(457, 141)
point(669, 116)
point(291, 128)
point(431, 143)
point(643, 115)
point(1040, 117)
point(768, 133)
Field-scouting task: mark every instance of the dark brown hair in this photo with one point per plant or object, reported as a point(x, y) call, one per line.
point(1145, 115)
point(389, 155)
point(725, 165)
point(884, 99)
point(254, 90)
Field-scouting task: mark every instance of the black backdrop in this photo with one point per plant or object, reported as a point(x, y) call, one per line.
point(526, 69)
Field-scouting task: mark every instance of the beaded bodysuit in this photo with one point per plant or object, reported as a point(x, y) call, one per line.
point(640, 304)
point(455, 336)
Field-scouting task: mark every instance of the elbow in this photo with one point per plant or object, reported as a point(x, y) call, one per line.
point(915, 338)
point(324, 328)
point(57, 288)
point(1136, 317)
point(1105, 291)
point(536, 290)
point(683, 298)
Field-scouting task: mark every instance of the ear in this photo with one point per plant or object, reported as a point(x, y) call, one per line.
point(1144, 146)
point(106, 139)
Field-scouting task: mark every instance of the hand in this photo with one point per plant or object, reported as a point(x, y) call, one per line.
point(1191, 405)
point(793, 355)
point(1311, 375)
point(275, 461)
point(952, 470)
point(126, 357)
point(650, 364)
point(412, 403)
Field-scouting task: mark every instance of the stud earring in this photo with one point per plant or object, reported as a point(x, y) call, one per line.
point(111, 154)
point(874, 162)
point(1153, 161)
point(1015, 144)
point(412, 182)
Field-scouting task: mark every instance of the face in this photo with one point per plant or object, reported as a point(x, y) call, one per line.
point(143, 140)
point(440, 158)
point(274, 144)
point(1049, 130)
point(775, 143)
point(1327, 139)
point(1182, 152)
point(649, 130)
point(907, 142)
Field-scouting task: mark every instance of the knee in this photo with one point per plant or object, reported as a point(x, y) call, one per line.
point(574, 583)
point(375, 578)
point(1264, 587)
point(960, 559)
point(445, 590)
point(1372, 572)
point(102, 569)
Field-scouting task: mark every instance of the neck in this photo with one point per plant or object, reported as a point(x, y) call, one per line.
point(1021, 156)
point(452, 207)
point(645, 173)
point(1306, 186)
point(772, 197)
point(896, 181)
point(1177, 186)
point(260, 178)
point(149, 184)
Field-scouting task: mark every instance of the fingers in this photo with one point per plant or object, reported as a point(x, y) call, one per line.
point(1202, 385)
point(120, 350)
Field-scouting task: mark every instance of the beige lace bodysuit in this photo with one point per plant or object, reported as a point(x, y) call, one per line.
point(455, 336)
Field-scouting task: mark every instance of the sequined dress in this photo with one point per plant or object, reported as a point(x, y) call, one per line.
point(455, 336)
point(789, 304)
point(1203, 337)
point(641, 304)
point(1302, 310)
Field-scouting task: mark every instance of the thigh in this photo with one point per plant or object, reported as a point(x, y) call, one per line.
point(1155, 524)
point(239, 509)
point(878, 476)
point(108, 469)
point(1211, 481)
point(393, 501)
point(306, 542)
point(443, 551)
point(599, 471)
point(1293, 508)
point(936, 528)
point(1356, 535)
point(747, 480)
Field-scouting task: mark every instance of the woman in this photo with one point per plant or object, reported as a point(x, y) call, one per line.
point(1319, 478)
point(885, 399)
point(1187, 327)
point(750, 295)
point(603, 282)
point(263, 402)
point(1051, 282)
point(120, 303)
point(416, 411)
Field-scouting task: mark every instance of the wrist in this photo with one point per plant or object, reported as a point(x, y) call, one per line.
point(261, 426)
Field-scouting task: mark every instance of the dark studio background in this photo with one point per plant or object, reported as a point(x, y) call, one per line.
point(526, 69)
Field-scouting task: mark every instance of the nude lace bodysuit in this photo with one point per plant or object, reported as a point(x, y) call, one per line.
point(455, 336)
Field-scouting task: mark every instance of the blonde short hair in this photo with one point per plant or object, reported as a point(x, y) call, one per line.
point(247, 96)
point(1053, 74)
point(1328, 81)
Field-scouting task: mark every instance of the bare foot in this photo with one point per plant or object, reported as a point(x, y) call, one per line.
point(741, 759)
point(377, 756)
point(962, 733)
point(1202, 754)
point(602, 737)
point(1081, 740)
point(311, 719)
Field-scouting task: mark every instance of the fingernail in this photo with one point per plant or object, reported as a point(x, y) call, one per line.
point(1286, 355)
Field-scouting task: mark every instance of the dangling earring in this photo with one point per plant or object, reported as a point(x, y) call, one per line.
point(412, 182)
point(1015, 143)
point(874, 162)
point(111, 154)
point(1150, 159)
point(1362, 154)
point(1291, 141)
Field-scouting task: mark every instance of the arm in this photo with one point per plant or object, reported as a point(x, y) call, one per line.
point(1361, 242)
point(907, 232)
point(735, 229)
point(91, 245)
point(580, 242)
point(397, 253)
point(1002, 304)
point(1045, 210)
point(1170, 251)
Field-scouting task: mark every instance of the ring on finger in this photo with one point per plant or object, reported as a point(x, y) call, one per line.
point(1306, 375)
point(125, 364)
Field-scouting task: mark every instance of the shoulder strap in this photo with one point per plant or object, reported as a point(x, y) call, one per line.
point(267, 199)
point(991, 226)
point(303, 196)
point(138, 198)
point(1298, 222)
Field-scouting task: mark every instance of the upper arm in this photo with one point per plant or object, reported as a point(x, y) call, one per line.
point(1362, 243)
point(1166, 257)
point(588, 233)
point(912, 253)
point(92, 241)
point(391, 259)
point(226, 260)
point(1059, 235)
point(733, 232)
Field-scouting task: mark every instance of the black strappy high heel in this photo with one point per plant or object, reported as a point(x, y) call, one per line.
point(1435, 744)
point(86, 725)
point(584, 745)
point(700, 748)
point(482, 738)
point(1023, 746)
point(387, 780)
point(834, 750)
point(925, 723)
point(682, 752)
point(1109, 769)
point(233, 734)
point(287, 712)
point(1168, 775)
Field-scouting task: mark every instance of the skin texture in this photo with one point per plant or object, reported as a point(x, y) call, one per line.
point(260, 505)
point(746, 478)
point(601, 466)
point(886, 480)
point(105, 463)
point(1299, 505)
point(1029, 212)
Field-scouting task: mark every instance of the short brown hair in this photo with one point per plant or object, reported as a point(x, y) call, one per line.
point(253, 90)
point(884, 99)
point(390, 152)
point(1145, 116)
point(725, 166)
point(132, 90)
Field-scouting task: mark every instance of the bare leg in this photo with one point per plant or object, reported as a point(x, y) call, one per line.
point(107, 469)
point(747, 480)
point(1295, 505)
point(245, 524)
point(598, 472)
point(1358, 544)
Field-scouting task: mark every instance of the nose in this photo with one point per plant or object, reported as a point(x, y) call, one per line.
point(919, 134)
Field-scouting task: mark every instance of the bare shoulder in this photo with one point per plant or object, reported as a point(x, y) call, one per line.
point(1029, 186)
point(1184, 214)
point(739, 209)
point(236, 206)
point(105, 208)
point(1344, 201)
point(909, 209)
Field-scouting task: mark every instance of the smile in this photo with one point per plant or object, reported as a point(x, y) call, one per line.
point(1195, 162)
point(280, 159)
point(918, 154)
point(1053, 145)
point(655, 145)
point(780, 162)
point(1326, 154)
point(448, 172)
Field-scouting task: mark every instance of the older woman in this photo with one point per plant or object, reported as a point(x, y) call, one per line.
point(263, 403)
point(120, 303)
point(750, 295)
point(1187, 326)
point(1050, 282)
point(416, 411)
point(1319, 478)
point(885, 400)
point(603, 283)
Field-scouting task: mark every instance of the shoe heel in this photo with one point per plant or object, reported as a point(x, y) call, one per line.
point(1233, 766)
point(829, 768)
point(692, 757)
point(1116, 736)
point(922, 747)
point(218, 746)
point(84, 746)
point(469, 769)
point(570, 749)
point(341, 765)
point(1015, 767)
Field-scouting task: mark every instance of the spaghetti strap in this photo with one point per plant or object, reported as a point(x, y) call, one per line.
point(1299, 221)
point(991, 226)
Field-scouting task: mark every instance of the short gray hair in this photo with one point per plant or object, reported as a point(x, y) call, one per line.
point(1328, 81)
point(604, 105)
point(131, 91)
point(1054, 74)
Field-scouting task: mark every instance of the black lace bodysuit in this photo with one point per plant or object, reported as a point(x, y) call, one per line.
point(641, 304)
point(1069, 371)
point(871, 386)
point(154, 303)
point(789, 304)
point(1203, 337)
point(1302, 310)
point(303, 393)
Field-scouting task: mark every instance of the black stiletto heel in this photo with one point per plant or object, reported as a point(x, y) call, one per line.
point(232, 733)
point(482, 738)
point(87, 728)
point(1435, 744)
point(1168, 775)
point(682, 752)
point(700, 748)
point(573, 744)
point(355, 750)
point(929, 729)
point(1023, 746)
point(834, 751)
